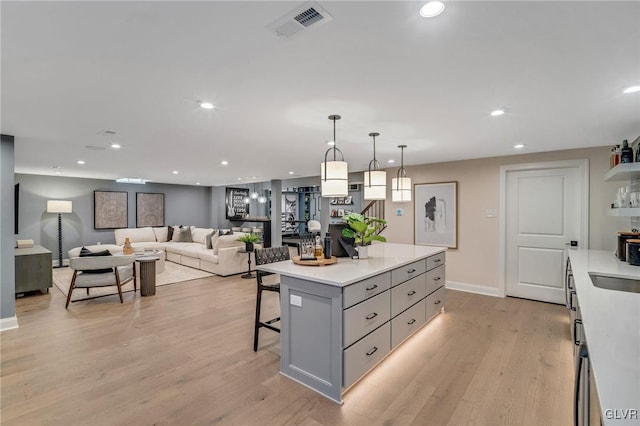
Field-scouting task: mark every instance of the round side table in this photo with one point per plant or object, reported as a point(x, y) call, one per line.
point(248, 275)
point(147, 274)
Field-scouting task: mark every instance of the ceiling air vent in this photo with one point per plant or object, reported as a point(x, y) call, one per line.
point(310, 14)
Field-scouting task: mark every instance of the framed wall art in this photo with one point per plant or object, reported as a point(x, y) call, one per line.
point(436, 214)
point(149, 209)
point(235, 205)
point(110, 209)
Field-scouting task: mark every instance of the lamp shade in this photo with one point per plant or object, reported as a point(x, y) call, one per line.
point(375, 185)
point(401, 190)
point(59, 206)
point(334, 179)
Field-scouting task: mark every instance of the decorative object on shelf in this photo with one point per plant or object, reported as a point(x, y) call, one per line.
point(401, 184)
point(364, 230)
point(249, 240)
point(375, 179)
point(110, 209)
point(334, 174)
point(59, 207)
point(236, 208)
point(127, 248)
point(436, 214)
point(149, 209)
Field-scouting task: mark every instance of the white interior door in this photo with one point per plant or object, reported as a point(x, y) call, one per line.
point(542, 216)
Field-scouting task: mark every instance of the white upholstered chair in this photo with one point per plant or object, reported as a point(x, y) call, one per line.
point(121, 271)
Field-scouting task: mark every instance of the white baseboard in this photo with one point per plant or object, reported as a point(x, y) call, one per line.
point(474, 288)
point(8, 323)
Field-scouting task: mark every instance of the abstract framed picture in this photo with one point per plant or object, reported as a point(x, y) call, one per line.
point(110, 209)
point(436, 214)
point(149, 209)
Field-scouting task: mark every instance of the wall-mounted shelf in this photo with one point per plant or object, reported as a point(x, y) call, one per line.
point(624, 212)
point(623, 172)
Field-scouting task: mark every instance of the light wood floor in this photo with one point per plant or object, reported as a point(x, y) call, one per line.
point(185, 357)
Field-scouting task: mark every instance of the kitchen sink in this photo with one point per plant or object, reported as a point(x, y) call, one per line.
point(615, 283)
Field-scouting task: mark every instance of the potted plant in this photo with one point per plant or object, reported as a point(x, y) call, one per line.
point(249, 239)
point(364, 230)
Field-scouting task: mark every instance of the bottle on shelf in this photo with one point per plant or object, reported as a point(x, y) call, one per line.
point(616, 158)
point(626, 153)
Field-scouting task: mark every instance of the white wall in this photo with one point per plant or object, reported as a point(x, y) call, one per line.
point(476, 259)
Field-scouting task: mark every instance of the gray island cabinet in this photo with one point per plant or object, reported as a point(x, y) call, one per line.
point(339, 321)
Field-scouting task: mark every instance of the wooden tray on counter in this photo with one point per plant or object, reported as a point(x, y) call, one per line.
point(320, 261)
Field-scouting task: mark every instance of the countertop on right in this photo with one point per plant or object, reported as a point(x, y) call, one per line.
point(611, 321)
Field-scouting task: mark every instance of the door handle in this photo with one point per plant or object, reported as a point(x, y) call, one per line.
point(372, 351)
point(571, 307)
point(373, 287)
point(371, 316)
point(411, 271)
point(411, 293)
point(572, 243)
point(412, 321)
point(583, 355)
point(437, 260)
point(437, 278)
point(576, 341)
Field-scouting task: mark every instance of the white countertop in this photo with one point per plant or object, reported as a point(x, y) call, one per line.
point(611, 321)
point(382, 258)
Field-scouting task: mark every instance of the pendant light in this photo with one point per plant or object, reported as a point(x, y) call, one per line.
point(375, 180)
point(261, 198)
point(334, 174)
point(401, 184)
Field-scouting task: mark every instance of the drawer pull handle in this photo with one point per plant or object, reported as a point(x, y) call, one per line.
point(437, 260)
point(411, 271)
point(436, 279)
point(411, 293)
point(411, 322)
point(373, 287)
point(372, 351)
point(436, 303)
point(371, 316)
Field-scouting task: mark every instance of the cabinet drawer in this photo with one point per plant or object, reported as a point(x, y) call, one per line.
point(435, 260)
point(435, 301)
point(435, 279)
point(407, 272)
point(365, 289)
point(359, 358)
point(407, 323)
point(362, 319)
point(407, 294)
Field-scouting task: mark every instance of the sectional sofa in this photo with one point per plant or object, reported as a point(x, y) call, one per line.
point(208, 250)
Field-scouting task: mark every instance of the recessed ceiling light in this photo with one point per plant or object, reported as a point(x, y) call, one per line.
point(431, 9)
point(58, 172)
point(175, 172)
point(206, 105)
point(291, 173)
point(239, 178)
point(115, 145)
point(224, 162)
point(391, 161)
point(519, 146)
point(80, 162)
point(197, 183)
point(632, 89)
point(331, 143)
point(497, 112)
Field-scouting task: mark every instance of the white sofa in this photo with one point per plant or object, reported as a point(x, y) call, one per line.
point(221, 259)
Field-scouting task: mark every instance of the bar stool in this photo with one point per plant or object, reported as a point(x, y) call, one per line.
point(264, 256)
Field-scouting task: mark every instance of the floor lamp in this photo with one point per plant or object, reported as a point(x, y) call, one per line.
point(59, 206)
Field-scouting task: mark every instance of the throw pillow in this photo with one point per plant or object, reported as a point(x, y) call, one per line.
point(169, 233)
point(85, 252)
point(225, 232)
point(207, 239)
point(182, 235)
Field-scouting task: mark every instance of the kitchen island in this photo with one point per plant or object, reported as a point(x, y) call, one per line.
point(611, 323)
point(339, 321)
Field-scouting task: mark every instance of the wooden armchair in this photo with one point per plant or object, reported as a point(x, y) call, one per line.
point(101, 271)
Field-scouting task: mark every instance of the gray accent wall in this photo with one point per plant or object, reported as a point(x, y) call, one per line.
point(184, 205)
point(7, 254)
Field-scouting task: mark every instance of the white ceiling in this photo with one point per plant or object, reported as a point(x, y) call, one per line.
point(73, 69)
